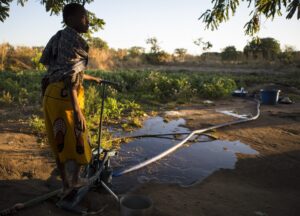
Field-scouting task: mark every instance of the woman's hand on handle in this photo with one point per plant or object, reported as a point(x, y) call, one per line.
point(98, 80)
point(92, 78)
point(79, 119)
point(80, 122)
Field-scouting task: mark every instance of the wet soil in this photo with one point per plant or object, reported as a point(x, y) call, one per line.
point(263, 184)
point(194, 161)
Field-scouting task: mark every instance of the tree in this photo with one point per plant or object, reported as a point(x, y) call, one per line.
point(156, 55)
point(155, 48)
point(288, 55)
point(180, 53)
point(136, 51)
point(229, 53)
point(55, 7)
point(97, 42)
point(268, 47)
point(204, 46)
point(223, 9)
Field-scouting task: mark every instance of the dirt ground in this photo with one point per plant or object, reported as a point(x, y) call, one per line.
point(266, 184)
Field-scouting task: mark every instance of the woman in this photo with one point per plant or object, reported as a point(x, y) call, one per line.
point(66, 57)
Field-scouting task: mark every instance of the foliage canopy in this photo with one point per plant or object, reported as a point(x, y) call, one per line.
point(55, 7)
point(220, 12)
point(268, 47)
point(223, 9)
point(229, 53)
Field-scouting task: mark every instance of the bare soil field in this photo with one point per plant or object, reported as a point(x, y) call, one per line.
point(260, 185)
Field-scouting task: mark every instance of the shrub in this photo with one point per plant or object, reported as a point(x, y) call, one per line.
point(6, 98)
point(37, 124)
point(217, 87)
point(36, 61)
point(158, 58)
point(23, 97)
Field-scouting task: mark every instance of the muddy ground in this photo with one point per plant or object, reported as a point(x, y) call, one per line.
point(260, 185)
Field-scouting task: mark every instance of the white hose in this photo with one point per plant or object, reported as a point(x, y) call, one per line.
point(172, 149)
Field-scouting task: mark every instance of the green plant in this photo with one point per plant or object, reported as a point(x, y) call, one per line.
point(36, 61)
point(23, 97)
point(217, 87)
point(37, 124)
point(6, 98)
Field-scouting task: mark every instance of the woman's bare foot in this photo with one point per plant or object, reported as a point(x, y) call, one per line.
point(80, 182)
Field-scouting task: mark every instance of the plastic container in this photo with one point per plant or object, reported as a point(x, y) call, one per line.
point(240, 93)
point(135, 205)
point(269, 97)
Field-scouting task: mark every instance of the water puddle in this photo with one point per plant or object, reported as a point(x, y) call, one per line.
point(189, 164)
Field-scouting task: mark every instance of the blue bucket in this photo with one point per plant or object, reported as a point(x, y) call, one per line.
point(269, 97)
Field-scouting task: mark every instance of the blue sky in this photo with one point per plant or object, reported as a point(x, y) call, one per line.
point(130, 22)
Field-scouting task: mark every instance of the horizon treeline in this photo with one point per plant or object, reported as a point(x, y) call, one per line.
point(256, 52)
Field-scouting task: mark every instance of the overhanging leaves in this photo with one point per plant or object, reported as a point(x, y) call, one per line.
point(223, 9)
point(4, 9)
point(55, 7)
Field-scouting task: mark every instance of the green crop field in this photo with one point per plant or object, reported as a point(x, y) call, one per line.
point(141, 91)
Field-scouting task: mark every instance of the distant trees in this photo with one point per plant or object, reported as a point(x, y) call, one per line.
point(156, 55)
point(229, 53)
point(98, 43)
point(269, 48)
point(136, 51)
point(265, 50)
point(136, 55)
point(288, 55)
point(180, 53)
point(153, 42)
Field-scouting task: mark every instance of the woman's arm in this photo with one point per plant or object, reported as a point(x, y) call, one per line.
point(79, 119)
point(91, 78)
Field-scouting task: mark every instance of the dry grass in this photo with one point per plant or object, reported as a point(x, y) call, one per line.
point(100, 59)
point(7, 168)
point(3, 54)
point(31, 167)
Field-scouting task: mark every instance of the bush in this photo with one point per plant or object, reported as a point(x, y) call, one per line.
point(158, 58)
point(37, 124)
point(229, 54)
point(36, 61)
point(217, 87)
point(6, 98)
